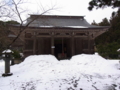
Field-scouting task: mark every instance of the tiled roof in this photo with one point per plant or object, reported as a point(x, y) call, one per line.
point(60, 21)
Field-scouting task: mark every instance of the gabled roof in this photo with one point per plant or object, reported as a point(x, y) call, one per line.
point(49, 21)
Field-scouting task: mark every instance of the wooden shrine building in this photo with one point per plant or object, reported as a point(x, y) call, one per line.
point(62, 36)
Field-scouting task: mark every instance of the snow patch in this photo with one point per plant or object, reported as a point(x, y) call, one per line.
point(7, 51)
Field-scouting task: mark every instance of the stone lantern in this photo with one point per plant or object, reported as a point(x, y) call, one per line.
point(7, 56)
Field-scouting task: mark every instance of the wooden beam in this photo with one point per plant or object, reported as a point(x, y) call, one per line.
point(52, 43)
point(72, 43)
point(34, 43)
point(89, 48)
point(28, 50)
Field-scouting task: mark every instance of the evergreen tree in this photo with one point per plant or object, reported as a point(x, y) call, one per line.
point(4, 32)
point(94, 23)
point(103, 3)
point(12, 22)
point(104, 22)
point(109, 42)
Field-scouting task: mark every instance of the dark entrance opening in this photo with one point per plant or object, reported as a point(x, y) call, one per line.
point(62, 48)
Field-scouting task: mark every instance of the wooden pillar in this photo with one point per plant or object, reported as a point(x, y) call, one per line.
point(73, 44)
point(89, 48)
point(34, 43)
point(24, 45)
point(62, 45)
point(52, 43)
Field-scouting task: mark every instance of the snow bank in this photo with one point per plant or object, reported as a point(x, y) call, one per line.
point(45, 72)
point(96, 64)
point(48, 58)
point(83, 58)
point(33, 65)
point(1, 63)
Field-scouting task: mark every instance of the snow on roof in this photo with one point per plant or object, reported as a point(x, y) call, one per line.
point(46, 26)
point(77, 26)
point(67, 26)
point(11, 35)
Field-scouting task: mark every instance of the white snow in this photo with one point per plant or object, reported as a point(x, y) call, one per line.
point(45, 72)
point(67, 26)
point(76, 26)
point(7, 51)
point(118, 50)
point(46, 26)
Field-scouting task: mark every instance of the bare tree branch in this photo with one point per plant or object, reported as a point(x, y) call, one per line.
point(17, 11)
point(13, 9)
point(23, 28)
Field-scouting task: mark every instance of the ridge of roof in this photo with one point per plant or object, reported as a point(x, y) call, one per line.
point(70, 16)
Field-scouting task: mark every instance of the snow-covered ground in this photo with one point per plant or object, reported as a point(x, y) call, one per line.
point(45, 72)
